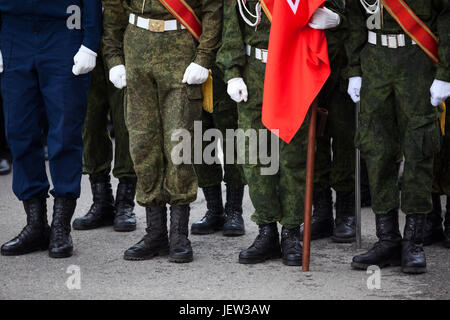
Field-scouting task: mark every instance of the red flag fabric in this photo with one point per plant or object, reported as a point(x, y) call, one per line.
point(297, 66)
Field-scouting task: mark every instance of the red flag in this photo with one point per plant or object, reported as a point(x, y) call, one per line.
point(297, 66)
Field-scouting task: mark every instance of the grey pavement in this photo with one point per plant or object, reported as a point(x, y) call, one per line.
point(214, 273)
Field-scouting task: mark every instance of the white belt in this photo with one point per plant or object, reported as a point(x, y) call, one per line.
point(392, 41)
point(260, 54)
point(155, 25)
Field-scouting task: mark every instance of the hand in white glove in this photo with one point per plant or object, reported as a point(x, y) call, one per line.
point(195, 74)
point(237, 90)
point(1, 62)
point(118, 76)
point(440, 91)
point(354, 88)
point(324, 18)
point(84, 61)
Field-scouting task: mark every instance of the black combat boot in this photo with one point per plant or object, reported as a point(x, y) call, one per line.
point(125, 219)
point(36, 234)
point(266, 246)
point(447, 225)
point(345, 231)
point(291, 246)
point(433, 224)
point(322, 222)
point(156, 241)
point(60, 240)
point(387, 251)
point(102, 210)
point(413, 256)
point(214, 218)
point(234, 223)
point(180, 246)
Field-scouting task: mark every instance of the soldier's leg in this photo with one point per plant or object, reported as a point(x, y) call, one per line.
point(180, 106)
point(378, 139)
point(263, 189)
point(210, 181)
point(143, 120)
point(97, 153)
point(292, 194)
point(421, 141)
point(125, 219)
point(446, 176)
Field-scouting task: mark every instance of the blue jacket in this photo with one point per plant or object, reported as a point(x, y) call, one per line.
point(91, 14)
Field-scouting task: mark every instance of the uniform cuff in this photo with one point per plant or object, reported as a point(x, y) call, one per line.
point(232, 73)
point(115, 61)
point(353, 72)
point(204, 60)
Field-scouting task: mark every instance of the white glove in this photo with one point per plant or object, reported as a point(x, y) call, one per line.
point(324, 18)
point(195, 74)
point(354, 88)
point(84, 61)
point(237, 90)
point(118, 76)
point(440, 91)
point(1, 62)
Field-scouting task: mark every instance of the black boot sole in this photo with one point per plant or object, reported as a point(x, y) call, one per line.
point(364, 266)
point(23, 252)
point(233, 232)
point(92, 227)
point(272, 256)
point(186, 259)
point(160, 253)
point(343, 240)
point(292, 263)
point(414, 270)
point(60, 255)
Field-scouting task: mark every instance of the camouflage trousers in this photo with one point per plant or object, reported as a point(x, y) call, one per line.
point(398, 120)
point(279, 197)
point(441, 183)
point(158, 103)
point(335, 152)
point(105, 100)
point(224, 117)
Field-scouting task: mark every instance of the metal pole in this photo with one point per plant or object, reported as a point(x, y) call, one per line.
point(358, 184)
point(309, 185)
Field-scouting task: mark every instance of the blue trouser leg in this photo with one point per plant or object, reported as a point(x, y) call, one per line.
point(65, 99)
point(23, 118)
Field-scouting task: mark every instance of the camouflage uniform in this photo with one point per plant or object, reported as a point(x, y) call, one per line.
point(339, 172)
point(280, 197)
point(396, 115)
point(103, 100)
point(224, 117)
point(441, 183)
point(157, 101)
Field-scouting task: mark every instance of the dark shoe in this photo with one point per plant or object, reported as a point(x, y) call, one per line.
point(156, 241)
point(291, 246)
point(234, 223)
point(345, 231)
point(102, 210)
point(214, 218)
point(125, 219)
point(60, 240)
point(266, 246)
point(5, 166)
point(387, 251)
point(413, 256)
point(434, 232)
point(447, 225)
point(36, 234)
point(180, 246)
point(322, 222)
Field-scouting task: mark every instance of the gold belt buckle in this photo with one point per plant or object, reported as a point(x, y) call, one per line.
point(156, 25)
point(392, 41)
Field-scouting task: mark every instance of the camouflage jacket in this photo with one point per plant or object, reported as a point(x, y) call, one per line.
point(232, 58)
point(434, 13)
point(115, 20)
